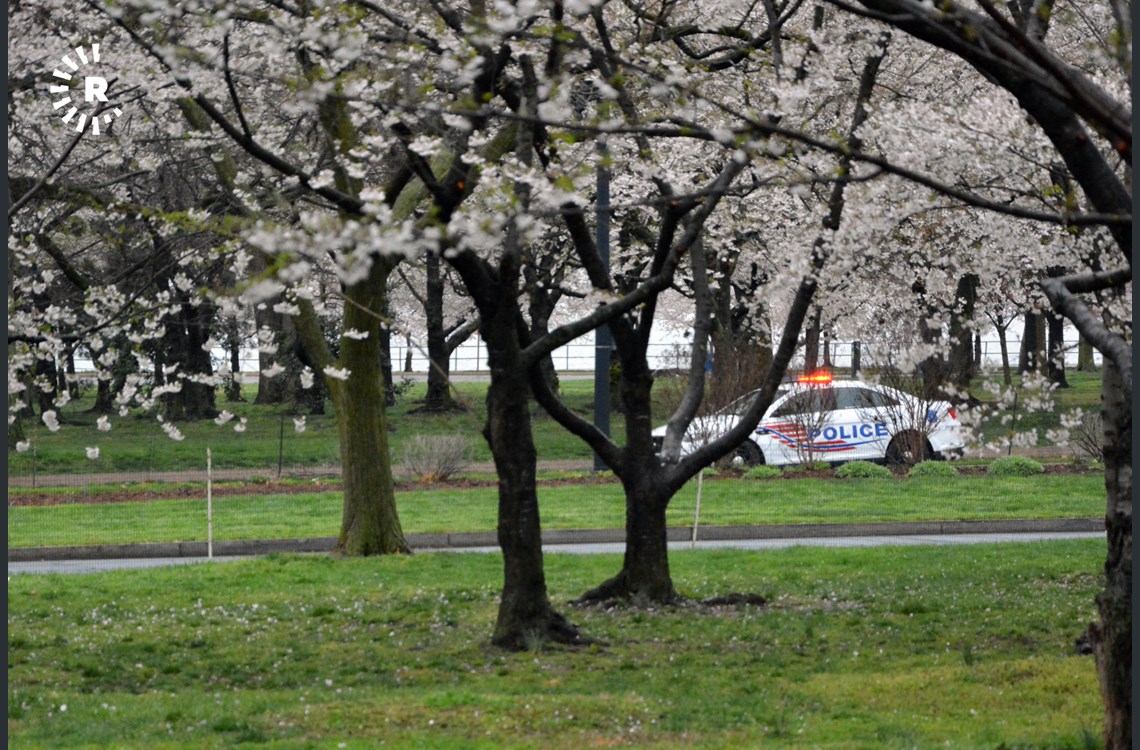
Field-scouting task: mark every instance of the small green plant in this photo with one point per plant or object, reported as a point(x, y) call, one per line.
point(1014, 466)
point(763, 471)
point(862, 470)
point(932, 469)
point(804, 468)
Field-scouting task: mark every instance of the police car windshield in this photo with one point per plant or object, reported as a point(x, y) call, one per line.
point(740, 405)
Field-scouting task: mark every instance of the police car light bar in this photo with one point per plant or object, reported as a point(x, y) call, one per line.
point(816, 378)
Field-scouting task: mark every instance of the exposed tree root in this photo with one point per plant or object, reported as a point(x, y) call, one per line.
point(619, 591)
point(555, 629)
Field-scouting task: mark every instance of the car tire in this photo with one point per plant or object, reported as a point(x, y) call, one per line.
point(749, 453)
point(900, 454)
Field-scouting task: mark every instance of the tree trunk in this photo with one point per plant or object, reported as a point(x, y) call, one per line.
point(961, 364)
point(233, 388)
point(46, 373)
point(280, 330)
point(1112, 641)
point(1026, 357)
point(526, 617)
point(1041, 345)
point(438, 396)
point(385, 334)
point(1055, 363)
point(1085, 361)
point(71, 382)
point(811, 343)
point(1003, 344)
point(185, 336)
point(644, 577)
point(370, 524)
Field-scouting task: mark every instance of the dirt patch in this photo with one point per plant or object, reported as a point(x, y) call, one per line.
point(269, 487)
point(249, 489)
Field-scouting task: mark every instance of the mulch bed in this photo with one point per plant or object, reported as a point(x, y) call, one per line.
point(263, 487)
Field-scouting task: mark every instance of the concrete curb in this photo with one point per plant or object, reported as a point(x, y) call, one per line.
point(555, 537)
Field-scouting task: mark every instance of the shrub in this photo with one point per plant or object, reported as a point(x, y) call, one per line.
point(805, 467)
point(436, 458)
point(1014, 466)
point(1088, 436)
point(862, 470)
point(932, 469)
point(763, 471)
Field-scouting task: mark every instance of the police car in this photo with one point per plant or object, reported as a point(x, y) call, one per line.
point(817, 419)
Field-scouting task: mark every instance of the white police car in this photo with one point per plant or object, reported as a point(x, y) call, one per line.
point(821, 420)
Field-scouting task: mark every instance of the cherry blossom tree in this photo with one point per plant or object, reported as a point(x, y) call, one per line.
point(1068, 68)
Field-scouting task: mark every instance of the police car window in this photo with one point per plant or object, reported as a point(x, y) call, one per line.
point(810, 401)
point(862, 398)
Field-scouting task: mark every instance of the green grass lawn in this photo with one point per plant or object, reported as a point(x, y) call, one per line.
point(962, 647)
point(567, 506)
point(137, 443)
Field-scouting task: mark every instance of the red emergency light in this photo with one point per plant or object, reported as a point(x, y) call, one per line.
point(815, 378)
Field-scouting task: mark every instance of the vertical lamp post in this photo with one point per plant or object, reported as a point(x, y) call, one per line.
point(602, 339)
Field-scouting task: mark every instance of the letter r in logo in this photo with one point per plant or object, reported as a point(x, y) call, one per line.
point(95, 87)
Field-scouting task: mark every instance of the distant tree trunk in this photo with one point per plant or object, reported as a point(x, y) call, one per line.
point(385, 335)
point(280, 330)
point(438, 396)
point(1003, 344)
point(186, 334)
point(70, 379)
point(1027, 358)
point(1085, 361)
point(408, 353)
point(1041, 344)
point(46, 374)
point(233, 336)
point(1055, 362)
point(961, 360)
point(978, 356)
point(811, 343)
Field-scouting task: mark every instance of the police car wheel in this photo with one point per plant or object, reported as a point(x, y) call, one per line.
point(749, 453)
point(901, 453)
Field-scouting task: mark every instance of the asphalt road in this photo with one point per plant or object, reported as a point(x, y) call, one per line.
point(97, 566)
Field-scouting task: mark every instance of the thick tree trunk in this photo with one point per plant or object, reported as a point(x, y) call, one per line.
point(644, 577)
point(370, 524)
point(1112, 642)
point(526, 617)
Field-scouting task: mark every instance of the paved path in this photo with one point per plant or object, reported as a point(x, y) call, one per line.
point(97, 566)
